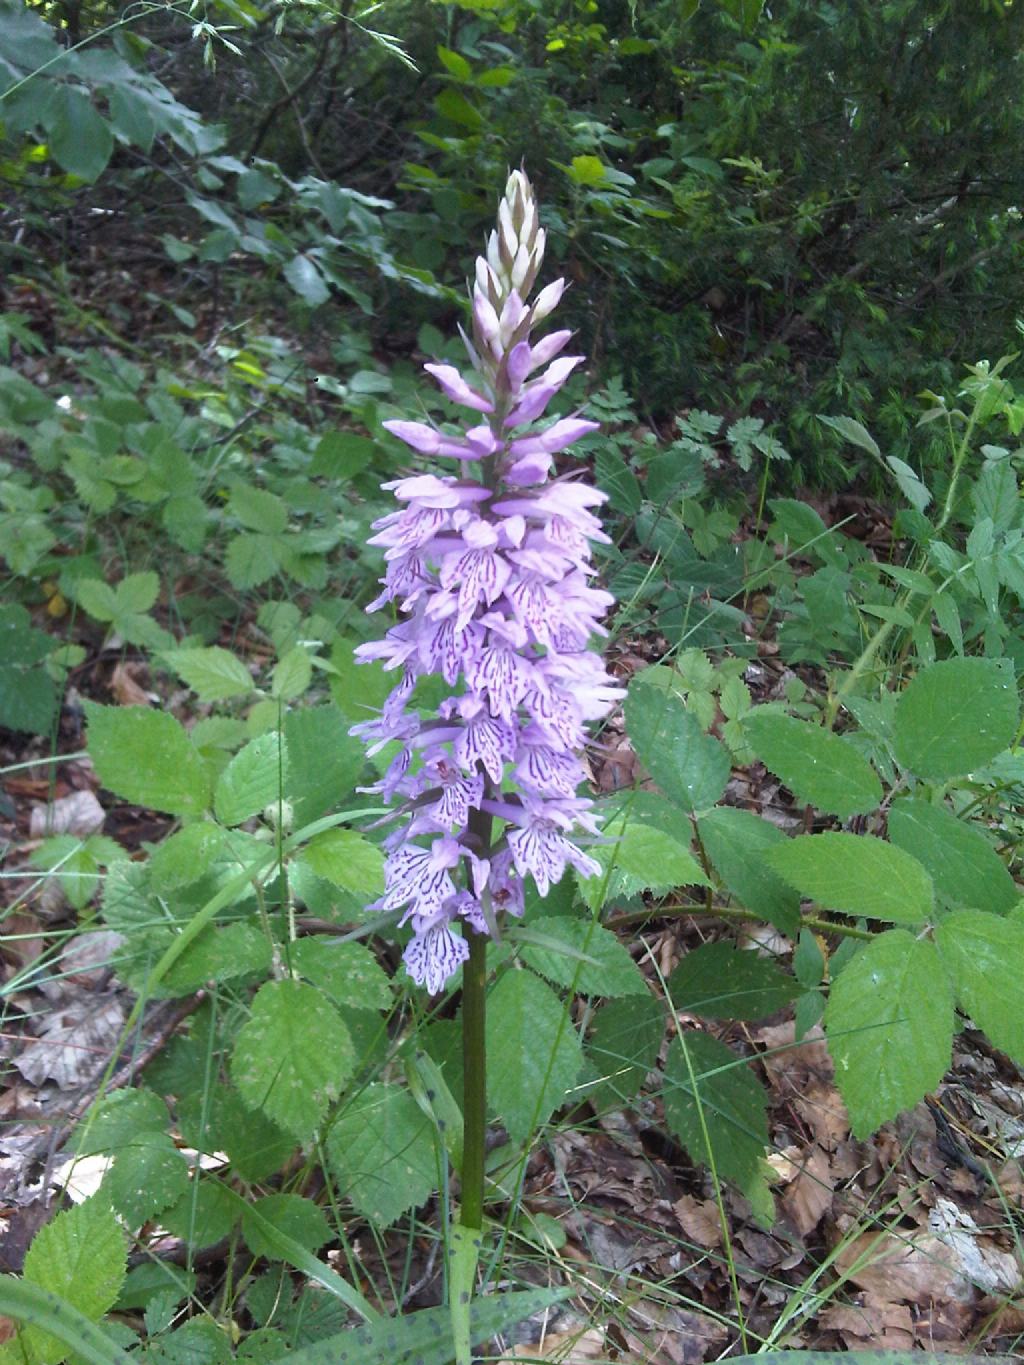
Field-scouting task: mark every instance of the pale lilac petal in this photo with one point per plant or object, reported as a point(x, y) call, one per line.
point(540, 392)
point(457, 389)
point(547, 300)
point(548, 347)
point(433, 958)
point(416, 434)
point(557, 437)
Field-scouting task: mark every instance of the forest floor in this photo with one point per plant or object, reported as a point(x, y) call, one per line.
point(911, 1239)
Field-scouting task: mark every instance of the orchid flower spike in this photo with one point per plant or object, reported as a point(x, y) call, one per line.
point(492, 576)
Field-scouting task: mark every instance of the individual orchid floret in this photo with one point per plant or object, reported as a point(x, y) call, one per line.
point(491, 572)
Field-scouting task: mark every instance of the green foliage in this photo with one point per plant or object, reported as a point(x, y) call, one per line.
point(147, 757)
point(623, 1047)
point(820, 768)
point(381, 1152)
point(890, 1027)
point(424, 1336)
point(858, 874)
point(581, 954)
point(690, 767)
point(720, 982)
point(955, 717)
point(199, 500)
point(280, 1065)
point(75, 1267)
point(28, 695)
point(534, 1054)
point(737, 843)
point(715, 1108)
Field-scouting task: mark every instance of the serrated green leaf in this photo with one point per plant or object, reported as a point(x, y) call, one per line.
point(146, 757)
point(599, 964)
point(255, 1146)
point(117, 1119)
point(324, 761)
point(148, 1175)
point(185, 857)
point(963, 865)
point(28, 700)
point(97, 598)
point(690, 767)
point(719, 981)
point(298, 1218)
point(889, 1021)
point(623, 1046)
point(650, 852)
point(255, 778)
point(382, 1151)
point(348, 972)
point(51, 1320)
point(341, 455)
point(214, 674)
point(857, 874)
point(732, 1101)
point(292, 674)
point(203, 1215)
point(79, 1257)
point(257, 509)
point(251, 559)
point(533, 1052)
point(199, 1342)
point(358, 689)
point(956, 716)
point(424, 1338)
point(220, 953)
point(984, 955)
point(737, 841)
point(293, 1056)
point(820, 769)
point(137, 592)
point(346, 859)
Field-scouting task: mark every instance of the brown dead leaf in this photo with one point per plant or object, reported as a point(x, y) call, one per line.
point(125, 686)
point(673, 1336)
point(86, 960)
point(23, 941)
point(74, 1043)
point(890, 1267)
point(79, 814)
point(809, 1195)
point(888, 1326)
point(565, 1348)
point(700, 1220)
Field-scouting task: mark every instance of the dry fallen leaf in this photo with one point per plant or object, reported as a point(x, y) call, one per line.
point(980, 1262)
point(888, 1326)
point(566, 1348)
point(809, 1195)
point(126, 688)
point(79, 814)
point(74, 1042)
point(894, 1267)
point(86, 960)
point(699, 1219)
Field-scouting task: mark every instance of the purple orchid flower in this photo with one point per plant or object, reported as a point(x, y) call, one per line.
point(492, 576)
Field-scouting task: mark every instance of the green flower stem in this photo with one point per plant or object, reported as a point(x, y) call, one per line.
point(474, 1093)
